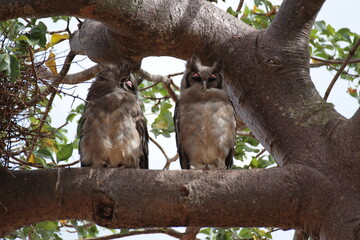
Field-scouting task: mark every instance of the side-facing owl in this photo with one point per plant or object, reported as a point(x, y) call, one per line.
point(113, 129)
point(204, 118)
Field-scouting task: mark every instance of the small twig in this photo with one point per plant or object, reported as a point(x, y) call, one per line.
point(57, 80)
point(325, 62)
point(244, 133)
point(261, 152)
point(335, 61)
point(145, 88)
point(59, 31)
point(154, 98)
point(239, 6)
point(346, 61)
point(68, 164)
point(174, 85)
point(174, 74)
point(168, 231)
point(169, 161)
point(159, 146)
point(164, 80)
point(19, 161)
point(42, 122)
point(170, 91)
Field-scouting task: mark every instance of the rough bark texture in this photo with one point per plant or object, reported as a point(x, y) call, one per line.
point(317, 187)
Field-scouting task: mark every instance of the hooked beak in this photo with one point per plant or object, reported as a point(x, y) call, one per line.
point(203, 86)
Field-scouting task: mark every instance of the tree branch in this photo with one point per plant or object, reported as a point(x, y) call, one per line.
point(75, 78)
point(294, 20)
point(57, 81)
point(168, 231)
point(346, 61)
point(330, 62)
point(164, 80)
point(180, 198)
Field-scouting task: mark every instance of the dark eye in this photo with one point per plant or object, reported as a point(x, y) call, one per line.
point(212, 78)
point(196, 77)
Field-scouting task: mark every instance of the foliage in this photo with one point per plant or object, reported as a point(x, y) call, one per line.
point(237, 233)
point(328, 44)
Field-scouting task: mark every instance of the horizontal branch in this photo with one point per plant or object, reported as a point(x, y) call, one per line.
point(322, 62)
point(74, 78)
point(129, 198)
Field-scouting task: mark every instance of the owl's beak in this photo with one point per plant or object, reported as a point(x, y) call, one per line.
point(204, 87)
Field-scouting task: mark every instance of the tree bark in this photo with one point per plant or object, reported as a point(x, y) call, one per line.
point(140, 198)
point(267, 72)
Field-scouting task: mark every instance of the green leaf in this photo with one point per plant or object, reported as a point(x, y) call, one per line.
point(246, 233)
point(44, 153)
point(65, 152)
point(49, 225)
point(320, 25)
point(232, 12)
point(37, 35)
point(14, 68)
point(22, 38)
point(71, 117)
point(254, 163)
point(4, 62)
point(206, 231)
point(345, 34)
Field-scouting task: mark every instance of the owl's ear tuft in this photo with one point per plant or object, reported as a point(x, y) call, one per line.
point(120, 68)
point(218, 66)
point(193, 63)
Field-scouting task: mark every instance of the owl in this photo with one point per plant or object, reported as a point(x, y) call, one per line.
point(204, 118)
point(113, 129)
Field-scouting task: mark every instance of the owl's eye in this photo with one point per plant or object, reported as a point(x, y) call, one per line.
point(212, 78)
point(196, 77)
point(129, 84)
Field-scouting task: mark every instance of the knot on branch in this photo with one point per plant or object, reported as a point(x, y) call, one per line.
point(103, 207)
point(184, 190)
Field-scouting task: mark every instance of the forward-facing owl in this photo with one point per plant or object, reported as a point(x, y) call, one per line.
point(204, 118)
point(113, 130)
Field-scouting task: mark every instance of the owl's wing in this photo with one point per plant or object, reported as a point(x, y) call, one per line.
point(229, 158)
point(141, 127)
point(80, 132)
point(184, 161)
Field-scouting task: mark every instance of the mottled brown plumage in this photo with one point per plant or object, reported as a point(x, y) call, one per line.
point(204, 119)
point(113, 130)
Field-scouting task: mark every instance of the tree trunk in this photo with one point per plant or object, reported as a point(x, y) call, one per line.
point(315, 189)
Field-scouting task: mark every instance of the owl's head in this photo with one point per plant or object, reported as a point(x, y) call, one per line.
point(198, 74)
point(124, 78)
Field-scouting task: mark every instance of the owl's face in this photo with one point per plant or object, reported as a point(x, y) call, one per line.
point(117, 76)
point(206, 77)
point(129, 84)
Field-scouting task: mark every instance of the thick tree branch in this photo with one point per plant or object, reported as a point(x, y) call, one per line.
point(294, 20)
point(176, 198)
